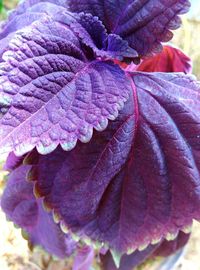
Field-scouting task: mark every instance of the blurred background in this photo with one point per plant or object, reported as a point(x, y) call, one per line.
point(14, 251)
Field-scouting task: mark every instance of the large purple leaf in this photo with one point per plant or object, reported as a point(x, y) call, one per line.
point(51, 94)
point(143, 23)
point(23, 209)
point(138, 181)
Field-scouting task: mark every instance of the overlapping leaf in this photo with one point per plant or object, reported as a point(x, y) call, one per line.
point(143, 23)
point(23, 209)
point(89, 29)
point(139, 180)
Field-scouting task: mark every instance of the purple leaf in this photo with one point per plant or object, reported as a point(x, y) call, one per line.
point(144, 24)
point(93, 34)
point(128, 262)
point(169, 60)
point(84, 258)
point(13, 162)
point(89, 29)
point(51, 94)
point(163, 249)
point(25, 14)
point(138, 181)
point(20, 206)
point(167, 248)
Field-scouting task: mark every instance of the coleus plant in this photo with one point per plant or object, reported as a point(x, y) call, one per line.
point(104, 155)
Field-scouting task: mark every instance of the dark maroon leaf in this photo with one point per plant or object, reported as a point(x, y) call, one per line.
point(170, 59)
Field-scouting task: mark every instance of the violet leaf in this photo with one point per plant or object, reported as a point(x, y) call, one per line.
point(143, 23)
point(123, 188)
point(128, 262)
point(13, 162)
point(51, 93)
point(168, 248)
point(84, 258)
point(21, 207)
point(170, 59)
point(163, 249)
point(75, 182)
point(94, 35)
point(25, 14)
point(89, 29)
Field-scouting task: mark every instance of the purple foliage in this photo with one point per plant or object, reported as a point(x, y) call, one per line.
point(113, 150)
point(167, 248)
point(144, 24)
point(84, 258)
point(21, 207)
point(108, 195)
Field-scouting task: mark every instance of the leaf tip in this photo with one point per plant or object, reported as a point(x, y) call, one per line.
point(116, 257)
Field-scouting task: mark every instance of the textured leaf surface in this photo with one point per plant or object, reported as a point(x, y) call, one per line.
point(23, 209)
point(169, 60)
point(77, 180)
point(89, 29)
point(50, 94)
point(94, 35)
point(25, 14)
point(143, 23)
point(139, 180)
